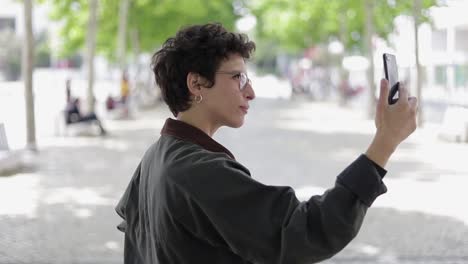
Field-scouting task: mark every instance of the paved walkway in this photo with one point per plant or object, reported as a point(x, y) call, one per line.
point(61, 209)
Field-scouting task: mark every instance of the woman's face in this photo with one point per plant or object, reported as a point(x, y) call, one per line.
point(226, 103)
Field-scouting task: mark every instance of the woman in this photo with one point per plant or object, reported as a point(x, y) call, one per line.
point(190, 201)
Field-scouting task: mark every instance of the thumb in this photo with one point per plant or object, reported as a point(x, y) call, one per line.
point(384, 91)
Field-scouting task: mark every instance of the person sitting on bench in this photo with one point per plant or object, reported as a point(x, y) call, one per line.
point(74, 115)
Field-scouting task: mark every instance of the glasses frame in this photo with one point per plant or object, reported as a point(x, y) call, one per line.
point(243, 78)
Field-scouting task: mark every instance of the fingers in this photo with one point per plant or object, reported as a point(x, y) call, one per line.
point(413, 102)
point(402, 93)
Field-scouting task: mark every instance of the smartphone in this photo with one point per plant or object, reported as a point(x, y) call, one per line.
point(391, 74)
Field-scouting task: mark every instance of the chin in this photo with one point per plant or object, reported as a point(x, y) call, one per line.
point(236, 123)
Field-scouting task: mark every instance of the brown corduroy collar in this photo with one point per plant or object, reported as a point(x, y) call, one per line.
point(192, 134)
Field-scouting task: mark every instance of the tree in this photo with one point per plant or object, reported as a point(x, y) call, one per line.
point(300, 24)
point(297, 25)
point(369, 7)
point(152, 21)
point(149, 23)
point(122, 33)
point(28, 62)
point(91, 46)
point(400, 7)
point(416, 18)
point(417, 9)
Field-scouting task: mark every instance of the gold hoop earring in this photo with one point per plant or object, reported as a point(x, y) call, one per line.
point(198, 98)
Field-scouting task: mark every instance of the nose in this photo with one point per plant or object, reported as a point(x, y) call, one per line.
point(249, 91)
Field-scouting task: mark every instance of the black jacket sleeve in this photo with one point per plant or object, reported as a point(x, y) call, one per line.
point(218, 202)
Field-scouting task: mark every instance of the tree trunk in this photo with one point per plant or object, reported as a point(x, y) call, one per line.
point(122, 33)
point(28, 61)
point(137, 86)
point(136, 48)
point(369, 7)
point(91, 46)
point(136, 51)
point(416, 17)
point(342, 71)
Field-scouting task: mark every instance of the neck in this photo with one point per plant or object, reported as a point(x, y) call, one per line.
point(198, 120)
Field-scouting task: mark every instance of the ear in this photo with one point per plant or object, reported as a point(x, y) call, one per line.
point(193, 83)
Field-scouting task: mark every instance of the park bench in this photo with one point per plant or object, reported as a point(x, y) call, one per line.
point(74, 129)
point(10, 161)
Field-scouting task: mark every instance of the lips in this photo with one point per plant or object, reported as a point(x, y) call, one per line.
point(245, 109)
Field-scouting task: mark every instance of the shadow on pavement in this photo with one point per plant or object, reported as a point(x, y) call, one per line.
point(81, 179)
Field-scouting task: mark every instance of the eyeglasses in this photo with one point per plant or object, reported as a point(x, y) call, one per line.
point(242, 76)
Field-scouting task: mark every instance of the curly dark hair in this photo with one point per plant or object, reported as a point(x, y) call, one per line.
point(199, 49)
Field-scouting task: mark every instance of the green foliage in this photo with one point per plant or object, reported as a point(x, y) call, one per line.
point(298, 24)
point(154, 21)
point(73, 14)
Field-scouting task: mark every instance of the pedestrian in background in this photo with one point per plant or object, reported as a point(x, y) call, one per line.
point(124, 88)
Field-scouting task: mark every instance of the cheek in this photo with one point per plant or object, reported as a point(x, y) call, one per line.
point(229, 97)
point(235, 101)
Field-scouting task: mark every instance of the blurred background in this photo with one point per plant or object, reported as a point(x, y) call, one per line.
point(315, 71)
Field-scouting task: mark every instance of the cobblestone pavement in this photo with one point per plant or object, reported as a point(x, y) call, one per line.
point(61, 208)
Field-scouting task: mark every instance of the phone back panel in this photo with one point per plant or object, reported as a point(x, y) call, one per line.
point(391, 69)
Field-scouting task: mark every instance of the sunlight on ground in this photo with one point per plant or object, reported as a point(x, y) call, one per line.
point(434, 155)
point(436, 187)
point(366, 249)
point(83, 213)
point(325, 127)
point(80, 142)
point(304, 193)
point(19, 195)
point(112, 245)
point(81, 196)
point(346, 154)
point(444, 197)
point(312, 117)
point(138, 124)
